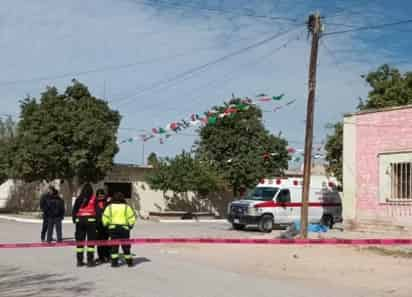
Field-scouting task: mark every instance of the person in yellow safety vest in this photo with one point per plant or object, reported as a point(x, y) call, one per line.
point(119, 218)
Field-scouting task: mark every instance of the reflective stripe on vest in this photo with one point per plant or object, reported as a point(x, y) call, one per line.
point(89, 210)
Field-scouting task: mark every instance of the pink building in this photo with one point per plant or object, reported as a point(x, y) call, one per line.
point(377, 169)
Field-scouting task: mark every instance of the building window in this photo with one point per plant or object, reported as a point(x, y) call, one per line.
point(401, 181)
point(124, 188)
point(395, 177)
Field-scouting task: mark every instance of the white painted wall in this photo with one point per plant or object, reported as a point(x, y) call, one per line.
point(349, 169)
point(5, 191)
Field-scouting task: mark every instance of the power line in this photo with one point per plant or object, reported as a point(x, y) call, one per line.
point(104, 68)
point(370, 27)
point(196, 69)
point(340, 24)
point(229, 76)
point(220, 80)
point(214, 10)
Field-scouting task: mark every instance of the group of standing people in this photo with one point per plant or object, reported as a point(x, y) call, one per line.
point(97, 217)
point(52, 206)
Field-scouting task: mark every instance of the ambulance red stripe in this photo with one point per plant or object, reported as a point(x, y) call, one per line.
point(295, 204)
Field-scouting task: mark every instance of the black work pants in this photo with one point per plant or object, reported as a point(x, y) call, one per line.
point(44, 228)
point(103, 252)
point(51, 224)
point(85, 229)
point(120, 233)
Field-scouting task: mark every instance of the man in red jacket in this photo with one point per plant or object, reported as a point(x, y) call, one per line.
point(84, 216)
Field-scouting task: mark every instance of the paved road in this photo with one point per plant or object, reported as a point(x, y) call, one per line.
point(50, 272)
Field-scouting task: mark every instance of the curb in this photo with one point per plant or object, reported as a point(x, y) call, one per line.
point(192, 221)
point(69, 221)
point(32, 221)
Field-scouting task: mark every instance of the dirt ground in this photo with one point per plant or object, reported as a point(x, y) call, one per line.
point(360, 268)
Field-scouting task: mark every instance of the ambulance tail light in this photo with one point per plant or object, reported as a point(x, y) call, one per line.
point(278, 181)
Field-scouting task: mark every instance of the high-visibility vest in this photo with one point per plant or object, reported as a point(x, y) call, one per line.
point(88, 210)
point(118, 214)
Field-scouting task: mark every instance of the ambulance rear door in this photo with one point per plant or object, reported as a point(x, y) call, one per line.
point(283, 209)
point(315, 204)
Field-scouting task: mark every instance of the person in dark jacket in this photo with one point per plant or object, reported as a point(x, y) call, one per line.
point(103, 252)
point(54, 212)
point(43, 201)
point(84, 216)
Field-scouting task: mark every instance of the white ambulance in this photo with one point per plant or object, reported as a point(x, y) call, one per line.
point(278, 201)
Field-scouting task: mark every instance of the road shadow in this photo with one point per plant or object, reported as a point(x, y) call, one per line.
point(255, 229)
point(17, 283)
point(140, 260)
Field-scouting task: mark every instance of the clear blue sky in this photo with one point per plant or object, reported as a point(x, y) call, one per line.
point(49, 38)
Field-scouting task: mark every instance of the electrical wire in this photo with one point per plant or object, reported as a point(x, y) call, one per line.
point(370, 27)
point(106, 68)
point(196, 69)
point(272, 52)
point(214, 10)
point(229, 76)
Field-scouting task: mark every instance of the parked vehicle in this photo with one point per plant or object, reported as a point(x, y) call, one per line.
point(278, 201)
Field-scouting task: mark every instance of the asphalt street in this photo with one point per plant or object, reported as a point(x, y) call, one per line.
point(159, 270)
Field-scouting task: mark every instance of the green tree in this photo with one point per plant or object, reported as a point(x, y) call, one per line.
point(69, 136)
point(241, 149)
point(152, 160)
point(389, 87)
point(334, 148)
point(7, 134)
point(183, 174)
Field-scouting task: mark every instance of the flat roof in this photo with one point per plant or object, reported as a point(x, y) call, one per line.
point(130, 165)
point(375, 110)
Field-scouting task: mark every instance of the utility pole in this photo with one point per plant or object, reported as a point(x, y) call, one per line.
point(143, 163)
point(314, 27)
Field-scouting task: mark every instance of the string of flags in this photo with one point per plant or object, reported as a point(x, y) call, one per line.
point(298, 154)
point(209, 118)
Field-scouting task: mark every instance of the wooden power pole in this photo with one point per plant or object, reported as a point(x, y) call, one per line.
point(314, 27)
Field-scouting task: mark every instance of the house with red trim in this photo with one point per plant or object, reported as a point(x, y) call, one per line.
point(377, 169)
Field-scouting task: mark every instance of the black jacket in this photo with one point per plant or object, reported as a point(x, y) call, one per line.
point(43, 201)
point(54, 207)
point(100, 207)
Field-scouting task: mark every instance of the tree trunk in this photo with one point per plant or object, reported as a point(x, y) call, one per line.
point(70, 192)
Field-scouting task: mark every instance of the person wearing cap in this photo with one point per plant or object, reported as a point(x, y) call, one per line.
point(84, 216)
point(119, 218)
point(103, 252)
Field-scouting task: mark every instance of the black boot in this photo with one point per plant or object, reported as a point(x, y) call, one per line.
point(90, 260)
point(129, 262)
point(80, 262)
point(115, 263)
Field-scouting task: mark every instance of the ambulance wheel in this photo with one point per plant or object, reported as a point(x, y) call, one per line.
point(238, 226)
point(327, 220)
point(266, 224)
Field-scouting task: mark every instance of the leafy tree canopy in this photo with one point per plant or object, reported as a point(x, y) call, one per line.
point(152, 160)
point(70, 135)
point(389, 88)
point(183, 174)
point(334, 148)
point(7, 134)
point(240, 148)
